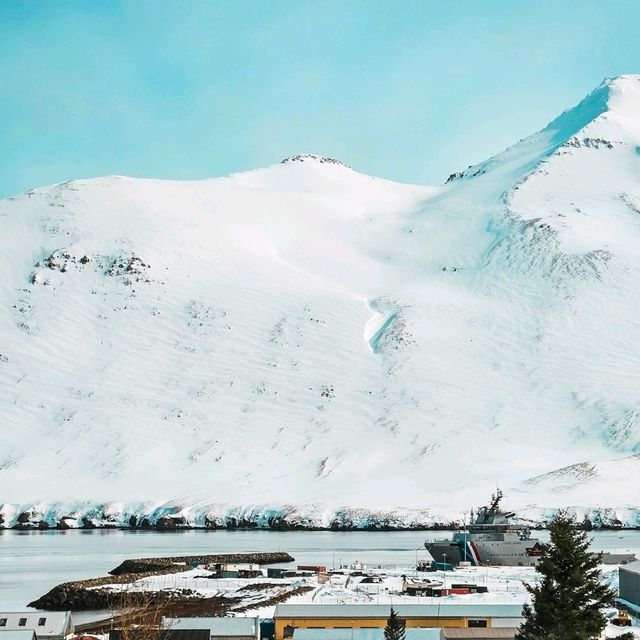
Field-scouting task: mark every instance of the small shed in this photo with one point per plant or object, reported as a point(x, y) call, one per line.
point(238, 570)
point(276, 572)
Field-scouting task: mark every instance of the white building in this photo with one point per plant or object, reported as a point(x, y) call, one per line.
point(17, 634)
point(47, 625)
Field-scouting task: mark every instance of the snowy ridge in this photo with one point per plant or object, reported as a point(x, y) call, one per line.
point(308, 335)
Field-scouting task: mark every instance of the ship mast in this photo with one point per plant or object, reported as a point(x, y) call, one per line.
point(495, 501)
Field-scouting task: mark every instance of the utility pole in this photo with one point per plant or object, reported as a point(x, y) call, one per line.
point(444, 570)
point(464, 524)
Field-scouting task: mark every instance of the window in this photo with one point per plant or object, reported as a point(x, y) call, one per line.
point(42, 622)
point(3, 622)
point(22, 622)
point(477, 623)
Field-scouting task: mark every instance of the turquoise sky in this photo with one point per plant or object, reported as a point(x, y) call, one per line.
point(407, 90)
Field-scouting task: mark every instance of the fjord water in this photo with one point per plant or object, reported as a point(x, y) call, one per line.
point(32, 562)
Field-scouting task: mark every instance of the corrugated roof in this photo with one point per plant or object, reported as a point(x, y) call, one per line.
point(362, 634)
point(164, 634)
point(479, 634)
point(216, 626)
point(55, 622)
point(443, 610)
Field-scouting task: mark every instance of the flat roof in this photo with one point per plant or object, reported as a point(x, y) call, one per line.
point(480, 633)
point(631, 567)
point(166, 634)
point(363, 634)
point(240, 626)
point(442, 610)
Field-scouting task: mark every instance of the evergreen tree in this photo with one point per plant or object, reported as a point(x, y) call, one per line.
point(394, 629)
point(568, 602)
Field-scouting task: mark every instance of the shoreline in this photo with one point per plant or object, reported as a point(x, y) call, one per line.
point(179, 516)
point(344, 529)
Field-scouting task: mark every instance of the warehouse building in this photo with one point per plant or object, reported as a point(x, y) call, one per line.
point(468, 633)
point(217, 628)
point(291, 617)
point(164, 634)
point(629, 597)
point(362, 634)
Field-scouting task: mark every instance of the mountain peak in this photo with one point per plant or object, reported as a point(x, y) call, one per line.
point(618, 95)
point(310, 157)
point(609, 112)
point(628, 79)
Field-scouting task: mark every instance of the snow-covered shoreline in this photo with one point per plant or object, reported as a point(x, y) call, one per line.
point(174, 515)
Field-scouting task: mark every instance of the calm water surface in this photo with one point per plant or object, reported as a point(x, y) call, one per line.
point(32, 562)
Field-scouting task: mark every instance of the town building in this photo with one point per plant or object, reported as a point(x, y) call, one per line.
point(629, 578)
point(468, 633)
point(236, 570)
point(490, 633)
point(291, 617)
point(47, 625)
point(165, 634)
point(218, 628)
point(17, 634)
point(362, 634)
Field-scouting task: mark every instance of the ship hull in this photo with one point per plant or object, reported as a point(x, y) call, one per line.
point(500, 553)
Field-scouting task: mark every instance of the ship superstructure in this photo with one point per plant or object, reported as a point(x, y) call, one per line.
point(490, 539)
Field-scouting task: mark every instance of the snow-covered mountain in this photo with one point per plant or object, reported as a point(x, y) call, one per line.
point(308, 335)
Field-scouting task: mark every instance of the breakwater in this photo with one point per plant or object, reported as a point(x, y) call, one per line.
point(82, 595)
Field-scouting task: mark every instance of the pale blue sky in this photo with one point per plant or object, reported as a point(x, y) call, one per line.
point(409, 90)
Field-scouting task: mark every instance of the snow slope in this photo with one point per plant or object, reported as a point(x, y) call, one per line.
point(308, 335)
